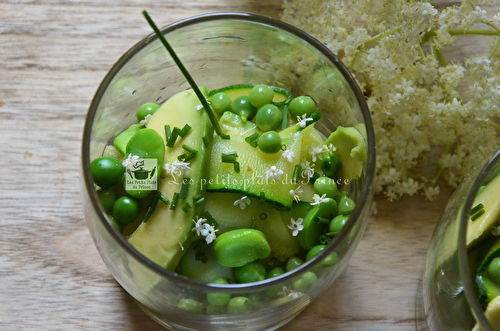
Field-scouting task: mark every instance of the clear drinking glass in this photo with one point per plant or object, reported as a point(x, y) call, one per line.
point(220, 50)
point(448, 299)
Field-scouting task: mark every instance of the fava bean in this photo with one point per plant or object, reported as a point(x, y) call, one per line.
point(249, 273)
point(190, 305)
point(239, 305)
point(215, 310)
point(305, 282)
point(494, 270)
point(315, 223)
point(338, 223)
point(236, 248)
point(293, 262)
point(274, 272)
point(329, 260)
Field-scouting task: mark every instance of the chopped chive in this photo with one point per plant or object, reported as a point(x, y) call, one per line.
point(186, 74)
point(477, 215)
point(324, 240)
point(314, 177)
point(316, 116)
point(225, 137)
point(296, 173)
point(197, 196)
point(184, 188)
point(152, 207)
point(229, 157)
point(284, 124)
point(182, 157)
point(205, 141)
point(189, 149)
point(185, 130)
point(476, 209)
point(168, 133)
point(253, 224)
point(186, 207)
point(252, 137)
point(236, 167)
point(164, 199)
point(173, 137)
point(174, 201)
point(263, 216)
point(254, 143)
point(189, 157)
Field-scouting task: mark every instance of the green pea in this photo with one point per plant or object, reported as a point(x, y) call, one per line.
point(125, 210)
point(239, 305)
point(215, 310)
point(328, 210)
point(300, 106)
point(107, 198)
point(330, 165)
point(260, 95)
point(190, 305)
point(338, 223)
point(314, 251)
point(146, 109)
point(325, 185)
point(268, 117)
point(274, 272)
point(106, 171)
point(220, 102)
point(123, 138)
point(249, 273)
point(305, 282)
point(113, 222)
point(236, 248)
point(219, 299)
point(269, 142)
point(494, 270)
point(346, 205)
point(241, 106)
point(293, 262)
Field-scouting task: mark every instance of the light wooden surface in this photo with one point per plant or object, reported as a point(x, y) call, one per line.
point(53, 55)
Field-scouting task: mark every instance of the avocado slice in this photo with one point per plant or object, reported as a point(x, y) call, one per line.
point(167, 234)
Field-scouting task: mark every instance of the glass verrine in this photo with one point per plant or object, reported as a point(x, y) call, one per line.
point(449, 300)
point(221, 50)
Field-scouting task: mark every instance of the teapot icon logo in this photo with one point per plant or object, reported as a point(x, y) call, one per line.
point(141, 174)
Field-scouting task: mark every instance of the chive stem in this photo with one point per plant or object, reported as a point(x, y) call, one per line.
point(229, 157)
point(185, 130)
point(296, 173)
point(189, 149)
point(186, 74)
point(186, 207)
point(152, 207)
point(477, 215)
point(284, 124)
point(237, 167)
point(168, 132)
point(164, 199)
point(175, 198)
point(477, 208)
point(173, 137)
point(184, 188)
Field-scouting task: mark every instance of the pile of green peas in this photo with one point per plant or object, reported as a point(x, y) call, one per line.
point(268, 117)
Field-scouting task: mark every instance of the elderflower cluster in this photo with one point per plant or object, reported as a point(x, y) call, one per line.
point(433, 118)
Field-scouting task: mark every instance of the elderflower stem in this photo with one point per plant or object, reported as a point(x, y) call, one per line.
point(483, 32)
point(494, 49)
point(379, 37)
point(495, 125)
point(437, 53)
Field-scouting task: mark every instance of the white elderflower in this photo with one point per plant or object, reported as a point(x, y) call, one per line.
point(296, 226)
point(209, 233)
point(243, 202)
point(307, 170)
point(495, 231)
point(288, 155)
point(198, 225)
point(296, 194)
point(316, 152)
point(274, 173)
point(130, 161)
point(286, 292)
point(180, 167)
point(302, 121)
point(319, 199)
point(145, 121)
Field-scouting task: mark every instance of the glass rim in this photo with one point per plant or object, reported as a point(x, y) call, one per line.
point(463, 260)
point(366, 191)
